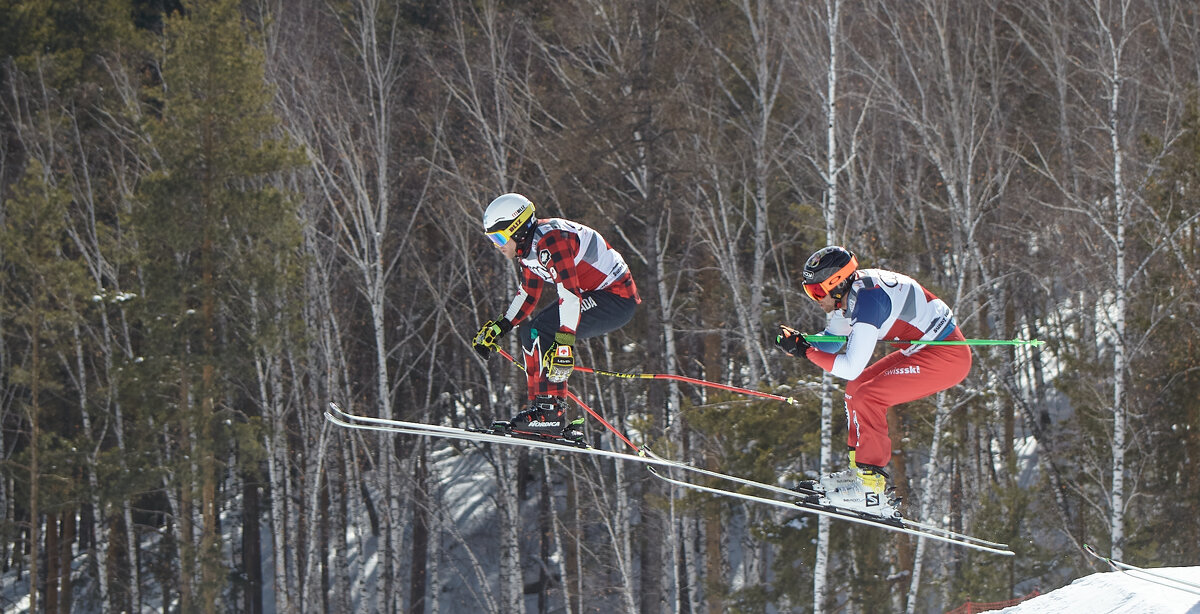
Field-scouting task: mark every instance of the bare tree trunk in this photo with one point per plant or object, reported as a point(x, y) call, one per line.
point(53, 563)
point(35, 437)
point(932, 502)
point(420, 537)
point(276, 449)
point(66, 543)
point(1114, 44)
point(508, 505)
point(830, 173)
point(251, 549)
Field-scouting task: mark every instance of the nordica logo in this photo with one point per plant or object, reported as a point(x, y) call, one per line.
point(544, 423)
point(909, 370)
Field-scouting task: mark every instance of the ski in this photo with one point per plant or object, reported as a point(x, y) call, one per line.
point(912, 524)
point(1154, 576)
point(899, 526)
point(336, 415)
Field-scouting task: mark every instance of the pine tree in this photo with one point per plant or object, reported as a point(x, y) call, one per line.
point(217, 239)
point(40, 299)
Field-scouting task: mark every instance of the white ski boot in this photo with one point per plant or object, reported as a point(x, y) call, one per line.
point(859, 490)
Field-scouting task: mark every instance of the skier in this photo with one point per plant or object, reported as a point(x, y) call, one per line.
point(596, 295)
point(870, 305)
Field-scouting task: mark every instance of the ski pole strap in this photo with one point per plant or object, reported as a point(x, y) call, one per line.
point(842, 338)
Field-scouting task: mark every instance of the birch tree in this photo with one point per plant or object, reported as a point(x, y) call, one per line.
point(818, 40)
point(733, 194)
point(350, 126)
point(485, 76)
point(1116, 89)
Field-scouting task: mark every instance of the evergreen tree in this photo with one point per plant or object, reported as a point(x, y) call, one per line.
point(40, 299)
point(216, 239)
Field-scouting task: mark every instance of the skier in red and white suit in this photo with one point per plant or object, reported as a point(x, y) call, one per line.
point(872, 305)
point(596, 295)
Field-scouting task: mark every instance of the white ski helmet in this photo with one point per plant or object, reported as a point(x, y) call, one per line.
point(508, 218)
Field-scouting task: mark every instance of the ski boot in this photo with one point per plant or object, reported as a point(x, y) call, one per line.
point(861, 489)
point(546, 415)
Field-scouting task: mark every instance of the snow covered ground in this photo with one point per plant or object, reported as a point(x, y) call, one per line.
point(1116, 592)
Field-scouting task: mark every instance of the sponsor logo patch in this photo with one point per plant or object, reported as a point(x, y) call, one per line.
point(909, 370)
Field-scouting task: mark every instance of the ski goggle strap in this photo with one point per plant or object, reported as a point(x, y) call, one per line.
point(817, 291)
point(502, 235)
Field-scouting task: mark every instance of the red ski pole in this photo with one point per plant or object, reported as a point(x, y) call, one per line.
point(667, 376)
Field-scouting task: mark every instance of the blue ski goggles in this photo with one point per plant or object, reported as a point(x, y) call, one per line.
point(499, 238)
point(501, 235)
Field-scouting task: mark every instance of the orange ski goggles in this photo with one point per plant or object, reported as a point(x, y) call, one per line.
point(819, 290)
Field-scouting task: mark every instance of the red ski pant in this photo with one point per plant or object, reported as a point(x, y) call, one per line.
point(897, 379)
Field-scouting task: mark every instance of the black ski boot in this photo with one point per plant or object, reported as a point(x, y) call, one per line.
point(546, 415)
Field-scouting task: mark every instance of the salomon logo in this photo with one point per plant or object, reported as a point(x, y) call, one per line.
point(545, 423)
point(872, 499)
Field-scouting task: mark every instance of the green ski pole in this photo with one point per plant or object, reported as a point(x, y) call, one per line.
point(819, 338)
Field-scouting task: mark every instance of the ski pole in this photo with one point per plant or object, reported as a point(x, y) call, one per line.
point(667, 376)
point(819, 338)
point(604, 422)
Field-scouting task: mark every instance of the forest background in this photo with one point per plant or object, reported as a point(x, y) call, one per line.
point(218, 216)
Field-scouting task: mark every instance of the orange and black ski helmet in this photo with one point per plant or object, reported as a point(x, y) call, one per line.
point(829, 271)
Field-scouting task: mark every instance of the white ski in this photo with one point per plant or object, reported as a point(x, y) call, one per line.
point(910, 524)
point(340, 417)
point(1146, 574)
point(901, 526)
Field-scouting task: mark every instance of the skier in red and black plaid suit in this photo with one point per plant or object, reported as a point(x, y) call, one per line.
point(596, 295)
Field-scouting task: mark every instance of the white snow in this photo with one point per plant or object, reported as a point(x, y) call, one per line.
point(1117, 592)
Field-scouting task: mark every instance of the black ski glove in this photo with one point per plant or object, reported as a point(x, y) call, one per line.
point(792, 341)
point(485, 340)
